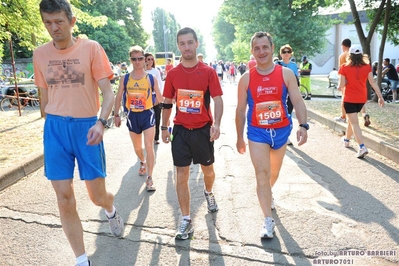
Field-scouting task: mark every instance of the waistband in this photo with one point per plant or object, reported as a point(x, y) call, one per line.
point(71, 119)
point(191, 129)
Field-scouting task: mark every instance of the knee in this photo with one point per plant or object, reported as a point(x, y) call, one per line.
point(99, 200)
point(66, 203)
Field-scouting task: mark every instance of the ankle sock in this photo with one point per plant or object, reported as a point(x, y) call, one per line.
point(361, 146)
point(82, 260)
point(111, 214)
point(187, 217)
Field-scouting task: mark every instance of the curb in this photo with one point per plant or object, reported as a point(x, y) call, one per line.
point(13, 174)
point(381, 147)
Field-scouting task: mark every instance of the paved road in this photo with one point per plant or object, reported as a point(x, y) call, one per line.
point(328, 202)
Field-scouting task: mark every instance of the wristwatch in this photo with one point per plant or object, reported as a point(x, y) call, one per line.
point(305, 126)
point(103, 121)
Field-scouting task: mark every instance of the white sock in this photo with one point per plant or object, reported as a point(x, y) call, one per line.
point(110, 214)
point(144, 161)
point(207, 192)
point(82, 260)
point(188, 218)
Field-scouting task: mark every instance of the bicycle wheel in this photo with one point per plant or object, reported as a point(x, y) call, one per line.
point(34, 103)
point(337, 94)
point(304, 91)
point(6, 103)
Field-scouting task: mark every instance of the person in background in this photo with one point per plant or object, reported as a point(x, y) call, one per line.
point(286, 53)
point(72, 130)
point(353, 76)
point(390, 71)
point(151, 69)
point(305, 70)
point(251, 63)
point(200, 57)
point(242, 68)
point(168, 66)
point(264, 90)
point(193, 84)
point(138, 100)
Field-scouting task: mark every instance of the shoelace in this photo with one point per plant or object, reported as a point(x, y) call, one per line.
point(114, 222)
point(183, 226)
point(211, 199)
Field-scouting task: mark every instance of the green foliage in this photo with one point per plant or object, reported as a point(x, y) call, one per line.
point(297, 24)
point(240, 49)
point(164, 31)
point(223, 35)
point(393, 28)
point(113, 38)
point(127, 13)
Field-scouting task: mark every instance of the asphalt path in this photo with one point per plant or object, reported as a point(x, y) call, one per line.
point(331, 209)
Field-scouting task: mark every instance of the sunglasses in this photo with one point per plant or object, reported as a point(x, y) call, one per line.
point(150, 59)
point(134, 59)
point(286, 52)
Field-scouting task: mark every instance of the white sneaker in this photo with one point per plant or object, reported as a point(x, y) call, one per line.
point(346, 142)
point(116, 225)
point(340, 119)
point(268, 228)
point(362, 152)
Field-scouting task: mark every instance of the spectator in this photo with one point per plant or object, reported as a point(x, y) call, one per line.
point(305, 69)
point(390, 71)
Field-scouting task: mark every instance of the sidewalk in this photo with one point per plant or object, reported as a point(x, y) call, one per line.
point(31, 164)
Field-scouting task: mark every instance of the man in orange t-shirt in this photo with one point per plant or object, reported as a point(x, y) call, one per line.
point(168, 67)
point(68, 72)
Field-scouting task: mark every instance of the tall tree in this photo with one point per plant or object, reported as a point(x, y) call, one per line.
point(297, 25)
point(223, 36)
point(164, 31)
point(126, 12)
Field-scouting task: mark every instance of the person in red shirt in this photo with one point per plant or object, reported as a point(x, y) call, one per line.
point(353, 76)
point(168, 67)
point(264, 90)
point(192, 84)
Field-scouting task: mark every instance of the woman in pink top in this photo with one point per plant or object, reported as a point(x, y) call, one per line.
point(353, 76)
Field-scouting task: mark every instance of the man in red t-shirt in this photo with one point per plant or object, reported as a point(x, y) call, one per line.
point(168, 67)
point(192, 84)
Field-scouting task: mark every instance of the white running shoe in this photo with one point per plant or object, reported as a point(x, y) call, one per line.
point(340, 119)
point(362, 152)
point(346, 142)
point(116, 225)
point(268, 228)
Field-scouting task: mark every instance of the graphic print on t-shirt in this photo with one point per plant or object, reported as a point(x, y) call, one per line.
point(64, 73)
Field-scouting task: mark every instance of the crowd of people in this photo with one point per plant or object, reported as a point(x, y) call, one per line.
point(267, 94)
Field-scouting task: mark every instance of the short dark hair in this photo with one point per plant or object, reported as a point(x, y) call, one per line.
point(261, 34)
point(346, 42)
point(185, 31)
point(387, 60)
point(56, 6)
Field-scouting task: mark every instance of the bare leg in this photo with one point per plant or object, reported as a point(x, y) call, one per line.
point(70, 220)
point(354, 122)
point(99, 195)
point(263, 172)
point(209, 176)
point(182, 189)
point(149, 149)
point(276, 160)
point(137, 145)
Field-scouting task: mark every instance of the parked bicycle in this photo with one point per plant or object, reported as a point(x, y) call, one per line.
point(26, 98)
point(304, 91)
point(333, 84)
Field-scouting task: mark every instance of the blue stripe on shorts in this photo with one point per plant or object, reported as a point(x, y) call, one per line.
point(64, 141)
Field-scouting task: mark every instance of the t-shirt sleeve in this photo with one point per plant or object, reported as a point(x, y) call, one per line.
point(168, 90)
point(101, 66)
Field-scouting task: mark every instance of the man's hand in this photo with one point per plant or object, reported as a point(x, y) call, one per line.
point(301, 136)
point(215, 133)
point(95, 134)
point(241, 146)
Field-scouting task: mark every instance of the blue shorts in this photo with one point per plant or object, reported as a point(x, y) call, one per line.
point(394, 84)
point(275, 137)
point(64, 140)
point(137, 122)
